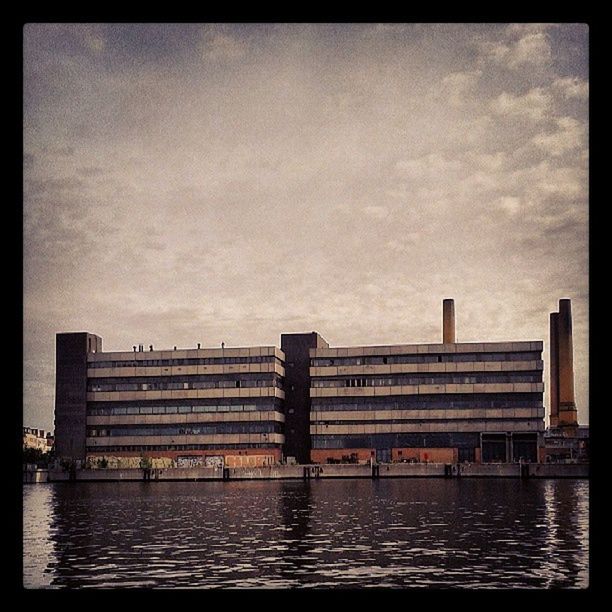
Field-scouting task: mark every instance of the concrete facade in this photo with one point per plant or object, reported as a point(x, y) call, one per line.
point(71, 355)
point(383, 399)
point(124, 407)
point(297, 392)
point(447, 402)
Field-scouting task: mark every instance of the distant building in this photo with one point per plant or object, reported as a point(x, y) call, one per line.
point(307, 402)
point(562, 448)
point(36, 438)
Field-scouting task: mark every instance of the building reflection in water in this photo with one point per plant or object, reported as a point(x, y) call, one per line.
point(565, 521)
point(295, 506)
point(465, 533)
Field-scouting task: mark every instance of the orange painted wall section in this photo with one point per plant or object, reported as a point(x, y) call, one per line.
point(321, 455)
point(425, 455)
point(422, 455)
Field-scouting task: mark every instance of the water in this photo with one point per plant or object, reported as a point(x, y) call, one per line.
point(485, 533)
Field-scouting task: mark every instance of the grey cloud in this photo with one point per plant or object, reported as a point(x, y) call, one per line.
point(343, 178)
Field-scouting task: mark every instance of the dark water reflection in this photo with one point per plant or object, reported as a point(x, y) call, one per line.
point(343, 533)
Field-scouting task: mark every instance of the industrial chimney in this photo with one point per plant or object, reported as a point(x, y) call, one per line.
point(448, 321)
point(554, 369)
point(562, 404)
point(567, 405)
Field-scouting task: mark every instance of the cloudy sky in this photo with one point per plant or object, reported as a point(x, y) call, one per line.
point(208, 183)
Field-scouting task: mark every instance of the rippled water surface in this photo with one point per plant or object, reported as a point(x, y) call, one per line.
point(343, 533)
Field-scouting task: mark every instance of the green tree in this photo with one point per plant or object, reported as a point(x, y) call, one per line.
point(35, 455)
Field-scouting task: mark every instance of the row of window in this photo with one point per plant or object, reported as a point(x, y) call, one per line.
point(195, 384)
point(151, 363)
point(425, 358)
point(449, 439)
point(139, 448)
point(429, 379)
point(439, 398)
point(408, 421)
point(187, 378)
point(419, 403)
point(197, 429)
point(121, 410)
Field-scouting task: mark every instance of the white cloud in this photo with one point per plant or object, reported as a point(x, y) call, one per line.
point(569, 135)
point(571, 87)
point(535, 104)
point(510, 204)
point(531, 48)
point(457, 86)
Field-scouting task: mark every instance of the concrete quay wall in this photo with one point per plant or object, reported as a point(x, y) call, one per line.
point(322, 472)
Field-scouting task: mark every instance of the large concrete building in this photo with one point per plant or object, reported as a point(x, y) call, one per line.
point(446, 402)
point(177, 404)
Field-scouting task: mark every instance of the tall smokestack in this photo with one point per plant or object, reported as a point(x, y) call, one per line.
point(554, 369)
point(567, 406)
point(448, 321)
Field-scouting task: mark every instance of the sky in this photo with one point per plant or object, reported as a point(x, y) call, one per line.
point(228, 183)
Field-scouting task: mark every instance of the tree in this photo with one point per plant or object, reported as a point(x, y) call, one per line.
point(37, 456)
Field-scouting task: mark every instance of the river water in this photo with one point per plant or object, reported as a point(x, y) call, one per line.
point(476, 533)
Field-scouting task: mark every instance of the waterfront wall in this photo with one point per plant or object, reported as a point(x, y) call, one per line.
point(411, 470)
point(321, 472)
point(34, 476)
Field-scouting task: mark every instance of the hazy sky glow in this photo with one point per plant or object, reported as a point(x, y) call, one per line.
point(208, 183)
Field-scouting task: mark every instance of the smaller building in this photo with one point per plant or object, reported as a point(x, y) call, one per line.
point(563, 445)
point(36, 438)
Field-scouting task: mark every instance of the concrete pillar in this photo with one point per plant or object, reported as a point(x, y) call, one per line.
point(448, 321)
point(554, 369)
point(567, 406)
